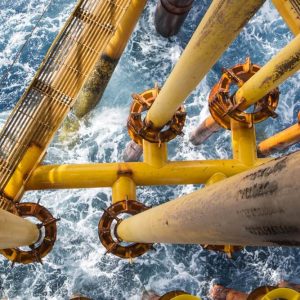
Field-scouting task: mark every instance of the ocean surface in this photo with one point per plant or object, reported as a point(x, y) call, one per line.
point(77, 263)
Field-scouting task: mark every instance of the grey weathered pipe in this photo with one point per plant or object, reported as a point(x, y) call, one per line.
point(170, 15)
point(259, 207)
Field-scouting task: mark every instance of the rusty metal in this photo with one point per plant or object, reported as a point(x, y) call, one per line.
point(222, 103)
point(228, 249)
point(46, 241)
point(107, 230)
point(172, 294)
point(259, 292)
point(139, 129)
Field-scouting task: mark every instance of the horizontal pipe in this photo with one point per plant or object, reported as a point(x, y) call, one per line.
point(260, 207)
point(220, 26)
point(98, 79)
point(104, 175)
point(280, 141)
point(16, 231)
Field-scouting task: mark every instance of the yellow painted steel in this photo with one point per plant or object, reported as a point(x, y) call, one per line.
point(215, 178)
point(207, 44)
point(16, 231)
point(154, 154)
point(290, 13)
point(256, 208)
point(104, 175)
point(283, 65)
point(186, 297)
point(282, 293)
point(120, 38)
point(15, 186)
point(97, 80)
point(281, 140)
point(243, 143)
point(124, 188)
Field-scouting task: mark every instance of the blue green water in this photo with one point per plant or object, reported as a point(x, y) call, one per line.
point(77, 263)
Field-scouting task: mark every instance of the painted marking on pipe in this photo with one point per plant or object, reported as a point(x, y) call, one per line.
point(272, 229)
point(259, 190)
point(266, 172)
point(284, 242)
point(254, 212)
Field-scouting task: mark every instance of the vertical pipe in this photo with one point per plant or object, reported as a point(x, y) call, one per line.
point(96, 83)
point(204, 131)
point(290, 12)
point(283, 65)
point(170, 15)
point(16, 231)
point(243, 142)
point(259, 207)
point(124, 188)
point(132, 152)
point(154, 154)
point(219, 27)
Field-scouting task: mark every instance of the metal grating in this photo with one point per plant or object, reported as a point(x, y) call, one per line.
point(44, 105)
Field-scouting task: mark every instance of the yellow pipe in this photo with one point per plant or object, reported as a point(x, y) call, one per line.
point(154, 154)
point(16, 231)
point(259, 207)
point(104, 175)
point(283, 65)
point(290, 13)
point(119, 40)
point(281, 140)
point(124, 188)
point(15, 186)
point(219, 27)
point(95, 85)
point(186, 297)
point(215, 178)
point(243, 143)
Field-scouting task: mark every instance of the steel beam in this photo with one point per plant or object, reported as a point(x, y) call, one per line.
point(105, 175)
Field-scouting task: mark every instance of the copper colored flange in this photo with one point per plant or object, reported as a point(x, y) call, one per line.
point(229, 250)
point(138, 129)
point(108, 235)
point(171, 295)
point(223, 105)
point(37, 252)
point(258, 293)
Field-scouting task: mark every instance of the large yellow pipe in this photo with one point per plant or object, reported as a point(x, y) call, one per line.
point(289, 10)
point(219, 27)
point(283, 65)
point(95, 85)
point(259, 208)
point(16, 231)
point(105, 175)
point(281, 140)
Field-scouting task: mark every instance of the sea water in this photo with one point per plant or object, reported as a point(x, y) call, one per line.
point(77, 263)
